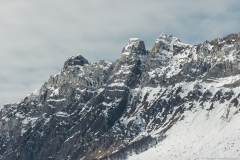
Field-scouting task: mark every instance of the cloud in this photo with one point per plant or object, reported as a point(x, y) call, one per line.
point(38, 36)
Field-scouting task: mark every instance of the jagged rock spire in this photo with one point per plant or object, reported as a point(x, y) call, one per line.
point(164, 42)
point(135, 45)
point(76, 60)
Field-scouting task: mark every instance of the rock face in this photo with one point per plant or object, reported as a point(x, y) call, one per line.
point(114, 110)
point(74, 61)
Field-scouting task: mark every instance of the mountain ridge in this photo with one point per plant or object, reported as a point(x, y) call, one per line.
point(106, 110)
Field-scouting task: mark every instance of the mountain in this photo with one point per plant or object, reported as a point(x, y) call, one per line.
point(174, 101)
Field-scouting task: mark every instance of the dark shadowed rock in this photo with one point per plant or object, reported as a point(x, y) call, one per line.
point(109, 110)
point(77, 60)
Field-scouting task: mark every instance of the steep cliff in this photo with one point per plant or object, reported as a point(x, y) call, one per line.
point(145, 99)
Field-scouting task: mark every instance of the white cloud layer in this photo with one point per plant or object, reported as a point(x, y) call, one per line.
point(36, 37)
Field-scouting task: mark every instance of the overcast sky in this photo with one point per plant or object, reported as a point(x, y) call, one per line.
point(37, 37)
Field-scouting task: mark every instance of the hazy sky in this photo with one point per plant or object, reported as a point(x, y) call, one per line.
point(37, 37)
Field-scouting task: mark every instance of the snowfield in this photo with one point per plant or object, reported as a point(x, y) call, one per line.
point(200, 135)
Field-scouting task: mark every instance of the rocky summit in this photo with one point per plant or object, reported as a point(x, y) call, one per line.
point(174, 101)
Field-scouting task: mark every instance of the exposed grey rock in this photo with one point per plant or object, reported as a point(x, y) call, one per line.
point(109, 110)
point(134, 46)
point(78, 60)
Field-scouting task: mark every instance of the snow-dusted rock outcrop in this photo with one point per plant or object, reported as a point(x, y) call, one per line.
point(172, 94)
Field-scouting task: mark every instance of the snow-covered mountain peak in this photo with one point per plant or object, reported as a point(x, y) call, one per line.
point(182, 99)
point(167, 38)
point(133, 41)
point(166, 43)
point(76, 60)
point(135, 45)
